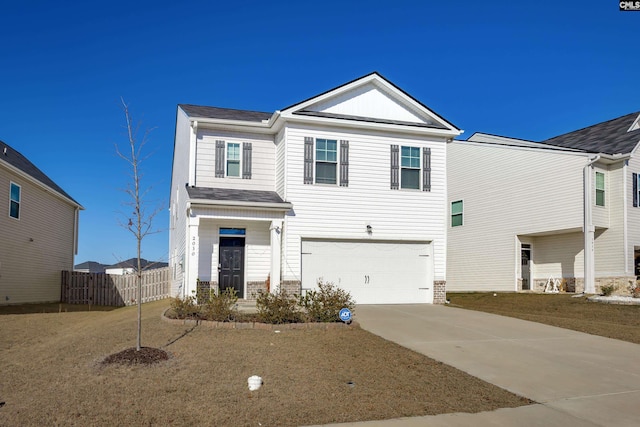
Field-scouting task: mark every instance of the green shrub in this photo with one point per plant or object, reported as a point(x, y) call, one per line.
point(185, 307)
point(220, 306)
point(277, 308)
point(324, 304)
point(607, 290)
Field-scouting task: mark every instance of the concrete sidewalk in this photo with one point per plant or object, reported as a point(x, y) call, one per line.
point(578, 379)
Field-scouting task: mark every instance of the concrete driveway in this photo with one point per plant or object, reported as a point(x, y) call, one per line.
point(578, 379)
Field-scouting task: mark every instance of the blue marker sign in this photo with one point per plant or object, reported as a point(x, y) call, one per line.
point(345, 315)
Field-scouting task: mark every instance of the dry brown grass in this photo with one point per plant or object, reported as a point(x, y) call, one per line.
point(608, 320)
point(52, 375)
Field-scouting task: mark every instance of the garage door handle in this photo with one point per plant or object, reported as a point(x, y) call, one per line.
point(424, 288)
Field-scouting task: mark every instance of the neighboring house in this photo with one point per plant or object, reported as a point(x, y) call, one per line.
point(89, 267)
point(129, 266)
point(39, 226)
point(517, 210)
point(348, 186)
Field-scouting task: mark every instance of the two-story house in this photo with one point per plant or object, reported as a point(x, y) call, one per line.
point(518, 210)
point(348, 187)
point(39, 223)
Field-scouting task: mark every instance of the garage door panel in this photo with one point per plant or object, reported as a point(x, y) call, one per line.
point(373, 272)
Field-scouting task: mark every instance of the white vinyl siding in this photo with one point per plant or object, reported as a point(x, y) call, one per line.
point(484, 254)
point(323, 211)
point(262, 167)
point(37, 248)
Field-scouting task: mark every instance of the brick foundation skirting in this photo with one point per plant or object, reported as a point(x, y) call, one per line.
point(439, 291)
point(623, 284)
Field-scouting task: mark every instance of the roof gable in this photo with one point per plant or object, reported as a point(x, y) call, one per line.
point(372, 99)
point(616, 136)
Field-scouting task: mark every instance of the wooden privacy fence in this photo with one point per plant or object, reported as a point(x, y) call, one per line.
point(113, 289)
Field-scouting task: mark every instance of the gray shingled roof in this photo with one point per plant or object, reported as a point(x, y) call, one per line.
point(17, 160)
point(233, 195)
point(610, 137)
point(133, 263)
point(224, 113)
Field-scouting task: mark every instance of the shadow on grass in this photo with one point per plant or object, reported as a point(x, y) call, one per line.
point(52, 308)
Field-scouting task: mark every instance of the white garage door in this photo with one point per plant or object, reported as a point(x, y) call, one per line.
point(373, 272)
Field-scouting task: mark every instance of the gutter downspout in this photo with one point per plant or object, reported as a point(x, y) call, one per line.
point(589, 230)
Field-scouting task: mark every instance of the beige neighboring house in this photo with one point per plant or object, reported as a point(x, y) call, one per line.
point(518, 209)
point(39, 226)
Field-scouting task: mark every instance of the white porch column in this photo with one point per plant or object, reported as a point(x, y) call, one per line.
point(192, 258)
point(276, 233)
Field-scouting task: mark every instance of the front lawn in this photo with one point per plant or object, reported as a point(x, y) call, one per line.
point(563, 310)
point(52, 374)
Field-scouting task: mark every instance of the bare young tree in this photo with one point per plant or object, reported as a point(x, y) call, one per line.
point(140, 221)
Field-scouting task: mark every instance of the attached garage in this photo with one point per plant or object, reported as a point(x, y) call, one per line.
point(374, 272)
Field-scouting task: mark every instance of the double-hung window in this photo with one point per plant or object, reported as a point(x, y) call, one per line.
point(410, 167)
point(14, 201)
point(326, 161)
point(456, 213)
point(233, 159)
point(599, 189)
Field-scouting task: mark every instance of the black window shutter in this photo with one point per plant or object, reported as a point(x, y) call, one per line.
point(395, 167)
point(246, 160)
point(635, 190)
point(219, 159)
point(344, 163)
point(308, 160)
point(426, 169)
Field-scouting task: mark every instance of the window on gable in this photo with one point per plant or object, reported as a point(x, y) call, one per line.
point(599, 189)
point(636, 189)
point(233, 159)
point(14, 202)
point(410, 167)
point(326, 161)
point(456, 213)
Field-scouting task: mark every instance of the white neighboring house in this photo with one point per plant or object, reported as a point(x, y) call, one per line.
point(517, 210)
point(129, 266)
point(39, 223)
point(348, 186)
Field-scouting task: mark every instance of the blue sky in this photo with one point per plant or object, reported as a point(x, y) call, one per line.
point(530, 70)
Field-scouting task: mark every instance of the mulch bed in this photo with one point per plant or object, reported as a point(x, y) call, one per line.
point(131, 356)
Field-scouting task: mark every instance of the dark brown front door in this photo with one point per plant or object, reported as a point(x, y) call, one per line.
point(231, 265)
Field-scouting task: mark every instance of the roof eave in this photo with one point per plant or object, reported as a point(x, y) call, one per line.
point(285, 206)
point(41, 185)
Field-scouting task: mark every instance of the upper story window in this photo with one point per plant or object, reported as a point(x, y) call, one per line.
point(326, 161)
point(14, 201)
point(456, 213)
point(232, 161)
point(331, 165)
point(407, 170)
point(410, 163)
point(599, 189)
point(636, 189)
